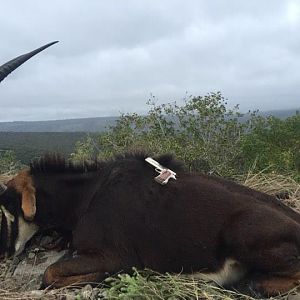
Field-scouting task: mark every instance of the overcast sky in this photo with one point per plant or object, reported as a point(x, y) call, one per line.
point(113, 54)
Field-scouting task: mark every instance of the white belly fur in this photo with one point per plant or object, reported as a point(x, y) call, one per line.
point(231, 272)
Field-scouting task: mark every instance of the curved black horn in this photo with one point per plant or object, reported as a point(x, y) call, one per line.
point(10, 66)
point(3, 188)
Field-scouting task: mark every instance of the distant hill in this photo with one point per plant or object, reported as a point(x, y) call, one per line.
point(30, 140)
point(30, 145)
point(282, 114)
point(70, 125)
point(90, 124)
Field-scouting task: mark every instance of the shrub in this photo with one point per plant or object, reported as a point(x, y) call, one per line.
point(8, 162)
point(273, 144)
point(206, 134)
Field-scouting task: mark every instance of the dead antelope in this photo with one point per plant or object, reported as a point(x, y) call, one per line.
point(119, 217)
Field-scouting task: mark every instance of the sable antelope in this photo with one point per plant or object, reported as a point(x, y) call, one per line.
point(119, 217)
point(13, 64)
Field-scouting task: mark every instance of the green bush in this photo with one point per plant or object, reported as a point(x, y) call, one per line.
point(150, 285)
point(273, 144)
point(206, 134)
point(8, 162)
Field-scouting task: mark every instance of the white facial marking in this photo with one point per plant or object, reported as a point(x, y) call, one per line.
point(0, 220)
point(25, 232)
point(231, 272)
point(9, 217)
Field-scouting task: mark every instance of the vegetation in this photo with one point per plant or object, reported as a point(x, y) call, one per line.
point(149, 285)
point(274, 144)
point(207, 135)
point(8, 163)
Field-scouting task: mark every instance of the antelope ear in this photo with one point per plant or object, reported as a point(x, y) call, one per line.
point(28, 205)
point(24, 185)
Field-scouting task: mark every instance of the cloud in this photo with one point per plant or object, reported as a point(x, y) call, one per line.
point(113, 54)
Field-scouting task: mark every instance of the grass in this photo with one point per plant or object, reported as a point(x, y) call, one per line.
point(149, 285)
point(5, 177)
point(272, 184)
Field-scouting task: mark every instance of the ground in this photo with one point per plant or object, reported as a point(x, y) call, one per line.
point(21, 277)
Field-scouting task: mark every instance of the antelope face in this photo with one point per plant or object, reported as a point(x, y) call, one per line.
point(15, 232)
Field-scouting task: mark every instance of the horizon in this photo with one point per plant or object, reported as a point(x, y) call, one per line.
point(295, 109)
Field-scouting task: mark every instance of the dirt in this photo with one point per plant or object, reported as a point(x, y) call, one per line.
point(21, 276)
